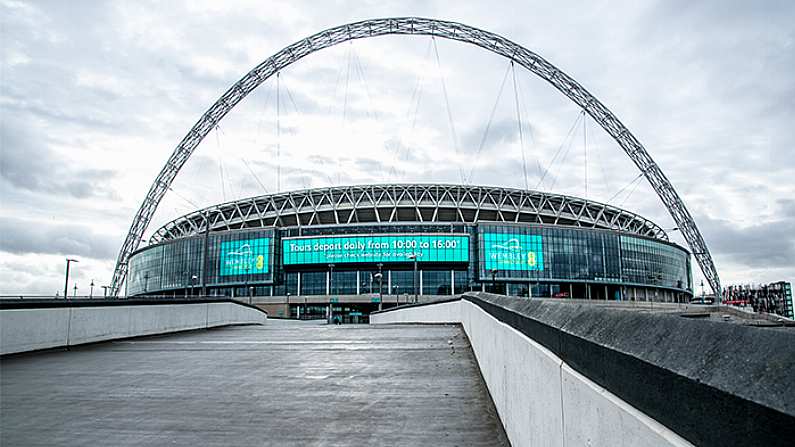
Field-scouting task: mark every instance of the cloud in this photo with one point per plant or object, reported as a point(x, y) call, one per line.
point(95, 96)
point(765, 244)
point(28, 163)
point(23, 236)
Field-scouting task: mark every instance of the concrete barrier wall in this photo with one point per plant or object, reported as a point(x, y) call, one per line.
point(539, 398)
point(30, 329)
point(443, 312)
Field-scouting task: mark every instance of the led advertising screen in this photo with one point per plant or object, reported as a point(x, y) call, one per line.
point(245, 257)
point(375, 248)
point(513, 251)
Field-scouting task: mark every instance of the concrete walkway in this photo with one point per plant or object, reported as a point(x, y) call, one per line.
point(280, 384)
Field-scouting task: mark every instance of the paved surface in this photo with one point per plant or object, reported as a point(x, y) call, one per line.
point(275, 385)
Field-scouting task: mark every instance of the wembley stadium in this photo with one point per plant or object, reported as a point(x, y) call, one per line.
point(373, 246)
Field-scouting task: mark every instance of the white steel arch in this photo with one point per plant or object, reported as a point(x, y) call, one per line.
point(429, 27)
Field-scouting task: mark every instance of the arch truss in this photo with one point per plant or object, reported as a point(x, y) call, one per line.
point(426, 27)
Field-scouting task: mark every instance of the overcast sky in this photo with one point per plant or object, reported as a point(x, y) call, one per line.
point(95, 95)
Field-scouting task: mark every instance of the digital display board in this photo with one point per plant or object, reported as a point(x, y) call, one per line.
point(375, 248)
point(513, 251)
point(245, 257)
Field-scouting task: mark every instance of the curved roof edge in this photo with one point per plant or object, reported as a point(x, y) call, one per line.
point(407, 202)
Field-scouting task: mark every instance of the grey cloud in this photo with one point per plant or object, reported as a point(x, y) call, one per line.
point(22, 236)
point(764, 244)
point(500, 133)
point(708, 87)
point(28, 163)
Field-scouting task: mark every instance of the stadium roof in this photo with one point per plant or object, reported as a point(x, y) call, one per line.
point(395, 203)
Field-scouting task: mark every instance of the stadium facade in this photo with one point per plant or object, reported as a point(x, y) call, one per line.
point(333, 242)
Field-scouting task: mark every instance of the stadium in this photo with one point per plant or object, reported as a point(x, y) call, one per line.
point(369, 247)
point(349, 250)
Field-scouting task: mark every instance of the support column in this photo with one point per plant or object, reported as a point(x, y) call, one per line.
point(452, 282)
point(328, 285)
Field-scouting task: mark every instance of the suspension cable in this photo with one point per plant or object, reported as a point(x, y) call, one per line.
point(585, 150)
point(299, 112)
point(630, 193)
point(347, 83)
point(563, 159)
point(245, 162)
point(563, 143)
point(262, 121)
point(194, 205)
point(447, 104)
point(358, 67)
point(292, 101)
point(412, 110)
point(624, 187)
point(605, 179)
point(519, 123)
point(278, 135)
point(529, 127)
point(488, 125)
point(220, 161)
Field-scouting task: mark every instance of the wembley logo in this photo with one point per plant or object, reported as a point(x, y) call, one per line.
point(510, 244)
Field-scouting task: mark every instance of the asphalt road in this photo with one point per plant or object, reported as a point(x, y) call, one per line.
point(280, 384)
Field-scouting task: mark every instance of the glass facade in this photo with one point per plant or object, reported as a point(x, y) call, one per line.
point(649, 262)
point(517, 259)
point(375, 248)
point(239, 257)
point(545, 253)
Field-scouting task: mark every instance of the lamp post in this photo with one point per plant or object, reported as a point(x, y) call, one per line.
point(105, 291)
point(247, 269)
point(193, 284)
point(91, 290)
point(494, 280)
point(331, 279)
point(75, 289)
point(331, 293)
point(380, 277)
point(413, 257)
point(66, 283)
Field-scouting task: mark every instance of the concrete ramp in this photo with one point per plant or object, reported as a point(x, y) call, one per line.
point(564, 373)
point(278, 385)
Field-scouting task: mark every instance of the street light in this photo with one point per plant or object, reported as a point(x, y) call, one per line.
point(193, 284)
point(105, 291)
point(75, 294)
point(66, 283)
point(331, 292)
point(247, 270)
point(380, 277)
point(91, 290)
point(413, 257)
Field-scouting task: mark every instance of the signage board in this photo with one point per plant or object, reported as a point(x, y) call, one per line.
point(245, 257)
point(513, 251)
point(376, 248)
